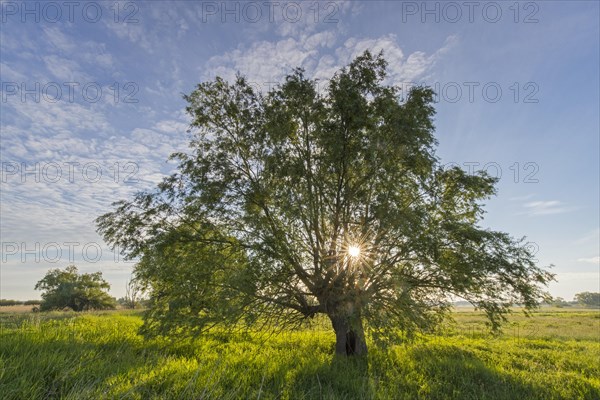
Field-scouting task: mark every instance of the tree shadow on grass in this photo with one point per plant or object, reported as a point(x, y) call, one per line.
point(450, 372)
point(59, 367)
point(134, 369)
point(340, 378)
point(429, 372)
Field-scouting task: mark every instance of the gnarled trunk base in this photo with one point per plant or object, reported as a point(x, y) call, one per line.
point(349, 336)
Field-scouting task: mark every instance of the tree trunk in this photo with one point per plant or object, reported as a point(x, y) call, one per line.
point(349, 335)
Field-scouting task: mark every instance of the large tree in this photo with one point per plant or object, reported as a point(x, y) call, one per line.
point(69, 288)
point(300, 202)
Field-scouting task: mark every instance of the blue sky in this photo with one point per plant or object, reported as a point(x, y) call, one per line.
point(91, 108)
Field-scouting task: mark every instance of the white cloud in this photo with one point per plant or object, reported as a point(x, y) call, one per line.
point(97, 55)
point(134, 33)
point(401, 69)
point(590, 260)
point(88, 51)
point(56, 38)
point(264, 62)
point(171, 126)
point(9, 73)
point(65, 70)
point(267, 62)
point(546, 207)
point(592, 236)
point(44, 204)
point(296, 18)
point(59, 117)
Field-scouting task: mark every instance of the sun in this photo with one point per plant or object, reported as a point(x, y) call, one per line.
point(354, 251)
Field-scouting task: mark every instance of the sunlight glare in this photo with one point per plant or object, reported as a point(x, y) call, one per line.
point(354, 251)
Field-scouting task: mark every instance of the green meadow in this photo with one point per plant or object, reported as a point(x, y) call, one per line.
point(553, 355)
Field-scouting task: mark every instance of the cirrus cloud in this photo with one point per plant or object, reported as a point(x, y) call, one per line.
point(590, 260)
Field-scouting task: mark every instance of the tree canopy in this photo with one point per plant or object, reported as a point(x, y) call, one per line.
point(298, 202)
point(589, 299)
point(80, 292)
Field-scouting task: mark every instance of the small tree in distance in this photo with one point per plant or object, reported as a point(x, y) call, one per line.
point(559, 302)
point(80, 292)
point(298, 203)
point(588, 299)
point(133, 294)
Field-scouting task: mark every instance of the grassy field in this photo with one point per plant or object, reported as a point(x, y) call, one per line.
point(15, 309)
point(554, 355)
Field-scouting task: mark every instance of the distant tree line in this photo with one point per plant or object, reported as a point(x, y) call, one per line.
point(585, 299)
point(8, 302)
